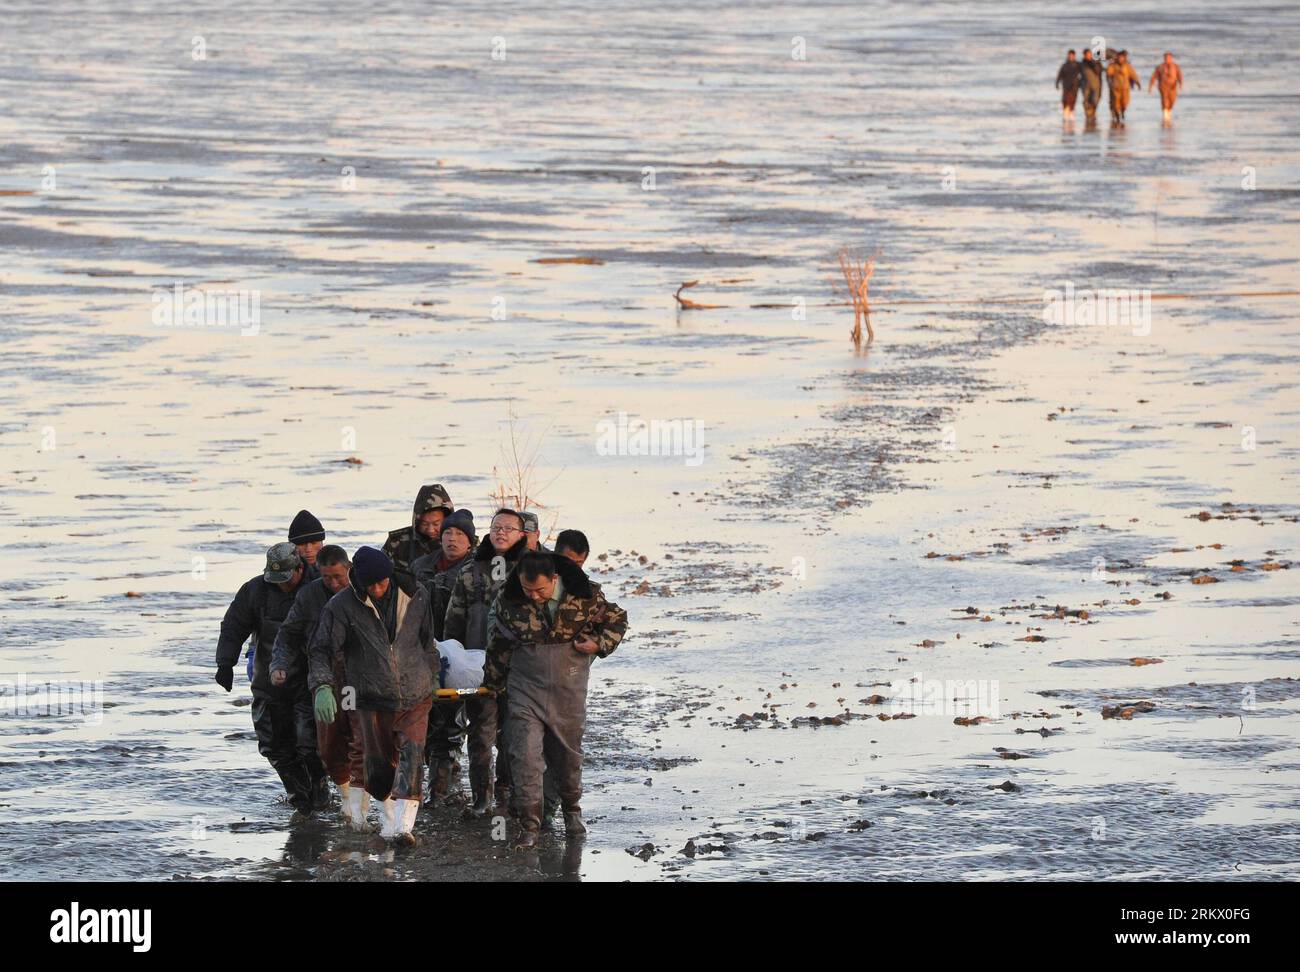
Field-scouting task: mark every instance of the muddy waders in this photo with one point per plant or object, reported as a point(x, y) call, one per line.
point(486, 717)
point(393, 743)
point(547, 702)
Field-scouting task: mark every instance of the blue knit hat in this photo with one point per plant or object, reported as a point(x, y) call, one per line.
point(370, 566)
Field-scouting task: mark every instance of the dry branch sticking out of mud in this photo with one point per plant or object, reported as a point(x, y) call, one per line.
point(685, 303)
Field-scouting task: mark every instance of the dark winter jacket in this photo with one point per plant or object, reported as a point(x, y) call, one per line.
point(439, 582)
point(1070, 75)
point(583, 611)
point(257, 612)
point(476, 586)
point(352, 638)
point(294, 637)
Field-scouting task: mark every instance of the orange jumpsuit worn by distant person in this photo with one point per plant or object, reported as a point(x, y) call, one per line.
point(1169, 76)
point(1123, 77)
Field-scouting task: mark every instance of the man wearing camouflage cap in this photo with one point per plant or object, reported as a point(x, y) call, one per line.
point(407, 544)
point(256, 613)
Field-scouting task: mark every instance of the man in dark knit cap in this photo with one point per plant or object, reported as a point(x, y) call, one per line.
point(379, 631)
point(307, 535)
point(438, 573)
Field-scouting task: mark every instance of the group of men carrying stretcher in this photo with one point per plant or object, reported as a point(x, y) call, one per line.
point(363, 668)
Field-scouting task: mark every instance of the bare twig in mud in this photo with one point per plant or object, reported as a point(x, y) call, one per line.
point(685, 303)
point(516, 487)
point(857, 271)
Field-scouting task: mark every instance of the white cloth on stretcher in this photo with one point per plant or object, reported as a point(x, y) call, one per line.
point(464, 667)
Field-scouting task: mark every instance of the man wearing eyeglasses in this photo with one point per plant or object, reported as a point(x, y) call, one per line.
point(479, 582)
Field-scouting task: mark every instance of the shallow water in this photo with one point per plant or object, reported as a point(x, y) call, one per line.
point(130, 449)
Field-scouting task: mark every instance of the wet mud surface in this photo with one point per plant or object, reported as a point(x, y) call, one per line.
point(1092, 528)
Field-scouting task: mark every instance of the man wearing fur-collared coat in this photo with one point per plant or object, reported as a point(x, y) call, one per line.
point(549, 622)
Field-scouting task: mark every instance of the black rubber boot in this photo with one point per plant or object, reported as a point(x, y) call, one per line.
point(297, 784)
point(529, 821)
point(482, 805)
point(321, 794)
point(573, 825)
point(548, 815)
point(442, 772)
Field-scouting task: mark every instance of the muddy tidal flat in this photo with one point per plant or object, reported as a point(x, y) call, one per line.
point(996, 596)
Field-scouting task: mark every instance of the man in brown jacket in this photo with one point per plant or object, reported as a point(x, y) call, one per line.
point(379, 631)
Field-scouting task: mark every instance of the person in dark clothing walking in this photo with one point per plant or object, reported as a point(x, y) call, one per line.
point(379, 632)
point(256, 613)
point(1069, 78)
point(1091, 71)
point(339, 742)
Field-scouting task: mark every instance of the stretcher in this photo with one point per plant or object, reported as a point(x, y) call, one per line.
point(445, 693)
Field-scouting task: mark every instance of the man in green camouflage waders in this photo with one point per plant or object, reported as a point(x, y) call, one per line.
point(256, 613)
point(1091, 75)
point(467, 612)
point(549, 622)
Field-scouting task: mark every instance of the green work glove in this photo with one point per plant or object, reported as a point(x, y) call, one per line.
point(326, 707)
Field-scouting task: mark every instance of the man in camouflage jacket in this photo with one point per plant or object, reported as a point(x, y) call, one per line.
point(405, 544)
point(549, 621)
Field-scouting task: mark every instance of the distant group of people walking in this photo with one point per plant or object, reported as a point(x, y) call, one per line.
point(348, 655)
point(1085, 77)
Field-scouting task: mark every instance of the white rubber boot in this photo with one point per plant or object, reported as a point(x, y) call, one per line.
point(356, 806)
point(390, 811)
point(405, 821)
